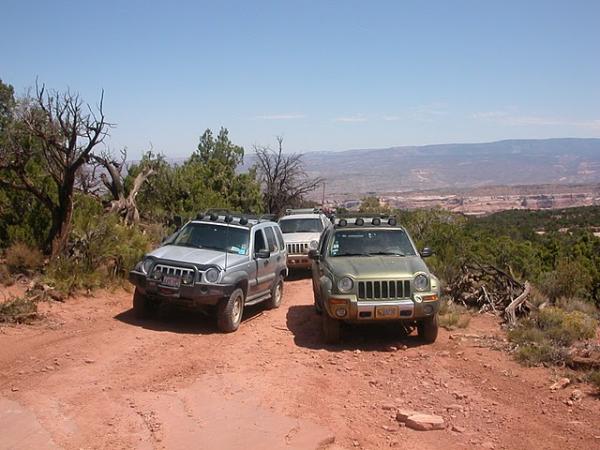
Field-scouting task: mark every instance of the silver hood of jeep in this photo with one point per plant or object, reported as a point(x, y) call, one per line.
point(201, 256)
point(301, 237)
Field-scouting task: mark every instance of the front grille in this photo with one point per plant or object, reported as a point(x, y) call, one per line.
point(297, 248)
point(383, 290)
point(172, 270)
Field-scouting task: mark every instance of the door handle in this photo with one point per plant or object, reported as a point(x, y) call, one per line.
point(267, 262)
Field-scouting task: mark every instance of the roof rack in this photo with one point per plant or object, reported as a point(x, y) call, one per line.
point(225, 216)
point(291, 211)
point(365, 219)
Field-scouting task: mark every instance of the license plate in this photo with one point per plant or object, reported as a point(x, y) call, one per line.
point(171, 281)
point(386, 312)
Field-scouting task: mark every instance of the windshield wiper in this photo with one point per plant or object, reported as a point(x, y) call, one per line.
point(353, 254)
point(185, 244)
point(389, 253)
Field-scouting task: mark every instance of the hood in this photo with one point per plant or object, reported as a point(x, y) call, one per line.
point(377, 267)
point(300, 237)
point(201, 256)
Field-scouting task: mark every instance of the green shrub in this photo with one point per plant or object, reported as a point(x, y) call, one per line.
point(453, 316)
point(566, 327)
point(546, 336)
point(534, 354)
point(102, 250)
point(21, 257)
point(577, 304)
point(18, 310)
point(594, 378)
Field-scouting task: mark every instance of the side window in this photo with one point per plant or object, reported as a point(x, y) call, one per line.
point(259, 241)
point(279, 238)
point(271, 239)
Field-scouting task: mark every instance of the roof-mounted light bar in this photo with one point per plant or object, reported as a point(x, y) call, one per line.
point(360, 221)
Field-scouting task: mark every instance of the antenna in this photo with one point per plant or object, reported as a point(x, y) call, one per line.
point(228, 219)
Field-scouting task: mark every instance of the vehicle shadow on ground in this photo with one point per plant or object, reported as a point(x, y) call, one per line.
point(184, 321)
point(298, 274)
point(305, 325)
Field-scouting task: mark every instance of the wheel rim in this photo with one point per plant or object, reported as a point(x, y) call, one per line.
point(277, 293)
point(237, 309)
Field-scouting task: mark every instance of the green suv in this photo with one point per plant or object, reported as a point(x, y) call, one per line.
point(369, 270)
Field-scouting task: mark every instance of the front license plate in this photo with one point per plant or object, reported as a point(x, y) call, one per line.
point(386, 312)
point(171, 281)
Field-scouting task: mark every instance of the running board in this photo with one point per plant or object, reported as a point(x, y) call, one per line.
point(254, 301)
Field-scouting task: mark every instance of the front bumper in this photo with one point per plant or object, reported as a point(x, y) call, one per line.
point(298, 261)
point(382, 310)
point(191, 295)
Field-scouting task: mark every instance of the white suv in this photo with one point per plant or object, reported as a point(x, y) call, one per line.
point(302, 229)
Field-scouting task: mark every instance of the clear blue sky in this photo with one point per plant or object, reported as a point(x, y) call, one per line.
point(326, 75)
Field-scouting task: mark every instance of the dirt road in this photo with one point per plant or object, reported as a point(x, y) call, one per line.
point(91, 376)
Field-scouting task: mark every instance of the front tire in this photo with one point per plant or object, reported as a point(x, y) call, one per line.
point(276, 294)
point(143, 308)
point(428, 329)
point(331, 329)
point(230, 311)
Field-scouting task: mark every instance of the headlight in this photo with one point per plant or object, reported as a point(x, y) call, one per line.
point(144, 265)
point(313, 245)
point(211, 275)
point(345, 284)
point(421, 282)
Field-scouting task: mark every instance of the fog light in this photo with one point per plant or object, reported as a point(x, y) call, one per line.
point(340, 312)
point(428, 309)
point(157, 274)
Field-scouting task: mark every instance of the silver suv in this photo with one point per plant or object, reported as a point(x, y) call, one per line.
point(222, 262)
point(302, 229)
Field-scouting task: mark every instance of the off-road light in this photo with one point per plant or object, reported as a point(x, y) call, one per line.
point(421, 282)
point(200, 216)
point(376, 221)
point(343, 223)
point(228, 218)
point(360, 222)
point(187, 278)
point(345, 284)
point(243, 221)
point(157, 274)
point(211, 275)
point(213, 217)
point(313, 245)
point(392, 221)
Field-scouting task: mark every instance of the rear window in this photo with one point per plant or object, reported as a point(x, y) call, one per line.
point(301, 225)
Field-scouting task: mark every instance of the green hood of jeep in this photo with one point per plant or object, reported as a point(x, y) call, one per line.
point(376, 267)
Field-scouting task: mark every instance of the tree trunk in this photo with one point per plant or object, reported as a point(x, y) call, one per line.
point(58, 236)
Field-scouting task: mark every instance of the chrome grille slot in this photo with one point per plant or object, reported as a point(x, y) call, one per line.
point(383, 289)
point(297, 248)
point(172, 270)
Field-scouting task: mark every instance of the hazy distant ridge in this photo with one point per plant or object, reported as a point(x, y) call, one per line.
point(569, 160)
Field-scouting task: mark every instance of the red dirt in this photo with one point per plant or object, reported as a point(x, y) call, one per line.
point(91, 376)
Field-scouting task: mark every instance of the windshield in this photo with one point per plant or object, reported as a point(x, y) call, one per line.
point(371, 242)
point(301, 226)
point(214, 237)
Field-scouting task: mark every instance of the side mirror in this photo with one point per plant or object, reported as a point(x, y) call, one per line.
point(426, 252)
point(314, 254)
point(262, 254)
